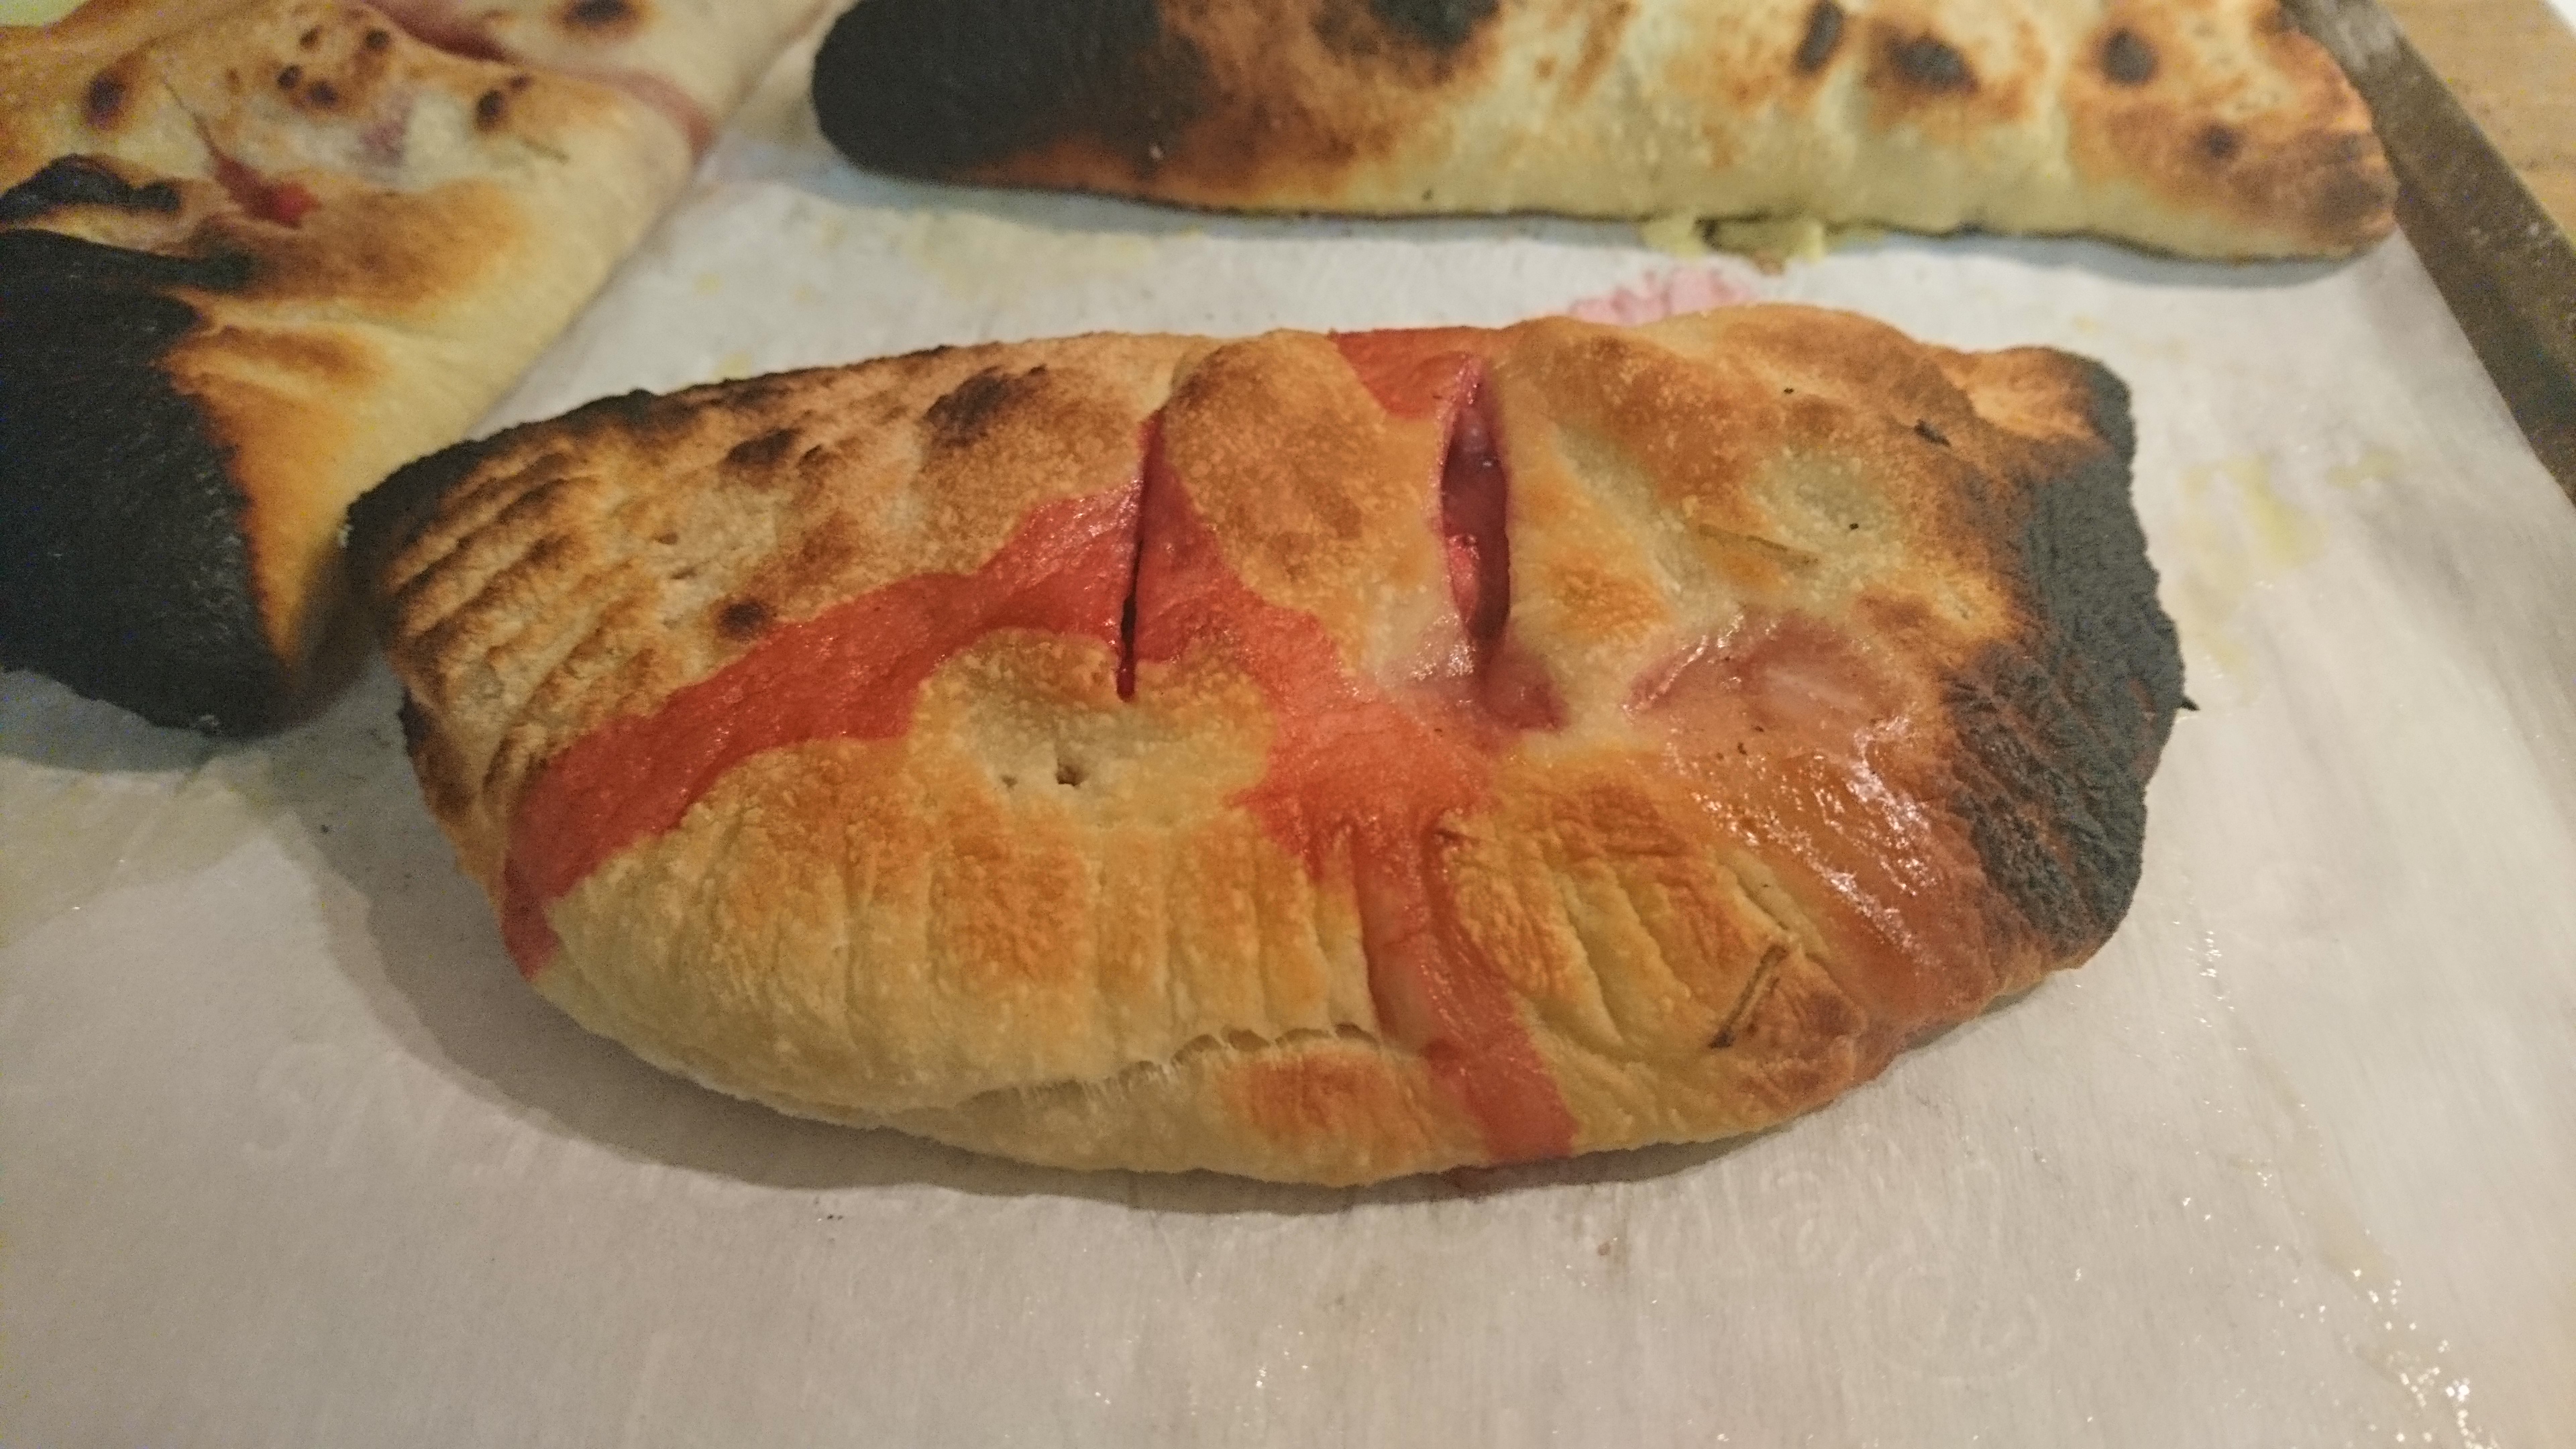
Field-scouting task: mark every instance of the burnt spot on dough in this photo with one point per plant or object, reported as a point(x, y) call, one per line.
point(2128, 60)
point(602, 19)
point(415, 725)
point(385, 518)
point(1923, 429)
point(1412, 44)
point(2221, 142)
point(940, 87)
point(545, 551)
point(103, 104)
point(649, 420)
point(743, 620)
point(1929, 63)
point(83, 181)
point(129, 578)
point(1823, 36)
point(2355, 199)
point(378, 39)
point(1440, 24)
point(2060, 728)
point(766, 451)
point(322, 95)
point(490, 109)
point(966, 411)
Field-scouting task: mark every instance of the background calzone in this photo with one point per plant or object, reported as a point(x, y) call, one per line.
point(255, 254)
point(1317, 758)
point(2205, 127)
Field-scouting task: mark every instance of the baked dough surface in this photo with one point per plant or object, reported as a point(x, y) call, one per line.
point(1315, 758)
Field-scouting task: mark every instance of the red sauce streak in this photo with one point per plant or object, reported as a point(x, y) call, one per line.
point(1415, 372)
point(1353, 774)
point(283, 203)
point(850, 672)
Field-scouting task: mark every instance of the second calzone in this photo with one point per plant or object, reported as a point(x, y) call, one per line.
point(2203, 127)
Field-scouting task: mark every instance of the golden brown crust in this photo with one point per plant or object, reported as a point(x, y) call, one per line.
point(385, 233)
point(1109, 752)
point(2205, 127)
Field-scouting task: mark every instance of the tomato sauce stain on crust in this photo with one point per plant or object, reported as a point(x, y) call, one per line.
point(282, 203)
point(850, 672)
point(1414, 372)
point(1354, 773)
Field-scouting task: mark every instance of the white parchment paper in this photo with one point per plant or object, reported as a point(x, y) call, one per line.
point(289, 1156)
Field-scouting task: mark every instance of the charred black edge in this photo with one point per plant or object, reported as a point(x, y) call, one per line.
point(937, 88)
point(388, 516)
point(1441, 24)
point(83, 181)
point(124, 572)
point(2062, 730)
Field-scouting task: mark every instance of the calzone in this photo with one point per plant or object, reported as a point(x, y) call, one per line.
point(1318, 758)
point(2205, 127)
point(255, 254)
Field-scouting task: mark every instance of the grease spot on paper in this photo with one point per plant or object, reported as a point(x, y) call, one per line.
point(990, 261)
point(2400, 1347)
point(104, 832)
point(1675, 235)
point(2238, 534)
point(2378, 463)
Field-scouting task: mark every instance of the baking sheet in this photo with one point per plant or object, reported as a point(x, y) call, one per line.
point(288, 1156)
